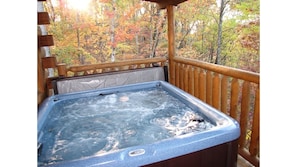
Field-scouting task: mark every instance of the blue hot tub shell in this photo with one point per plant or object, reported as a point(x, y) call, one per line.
point(214, 147)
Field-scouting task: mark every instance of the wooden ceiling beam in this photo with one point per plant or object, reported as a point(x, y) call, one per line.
point(162, 4)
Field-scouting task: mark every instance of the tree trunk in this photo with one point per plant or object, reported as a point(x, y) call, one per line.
point(112, 56)
point(152, 29)
point(185, 31)
point(222, 7)
point(80, 56)
point(157, 33)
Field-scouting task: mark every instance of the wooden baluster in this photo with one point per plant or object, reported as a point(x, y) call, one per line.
point(245, 103)
point(196, 82)
point(191, 80)
point(224, 94)
point(177, 69)
point(216, 91)
point(202, 86)
point(234, 98)
point(172, 79)
point(209, 87)
point(254, 144)
point(186, 78)
point(181, 76)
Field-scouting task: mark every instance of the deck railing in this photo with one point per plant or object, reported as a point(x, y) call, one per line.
point(79, 70)
point(232, 91)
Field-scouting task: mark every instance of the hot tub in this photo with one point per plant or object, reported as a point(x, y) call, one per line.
point(145, 124)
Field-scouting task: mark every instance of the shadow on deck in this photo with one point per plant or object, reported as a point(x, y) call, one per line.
point(241, 162)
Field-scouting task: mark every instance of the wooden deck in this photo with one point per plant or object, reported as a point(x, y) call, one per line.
point(241, 162)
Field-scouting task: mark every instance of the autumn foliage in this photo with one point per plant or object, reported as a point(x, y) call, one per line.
point(138, 29)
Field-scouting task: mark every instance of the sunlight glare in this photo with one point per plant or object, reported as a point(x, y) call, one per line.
point(79, 4)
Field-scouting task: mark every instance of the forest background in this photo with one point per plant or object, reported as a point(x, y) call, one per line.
point(225, 32)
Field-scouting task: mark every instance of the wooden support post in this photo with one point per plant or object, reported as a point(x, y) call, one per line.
point(171, 41)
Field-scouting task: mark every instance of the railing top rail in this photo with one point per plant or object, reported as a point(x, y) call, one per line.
point(79, 68)
point(229, 71)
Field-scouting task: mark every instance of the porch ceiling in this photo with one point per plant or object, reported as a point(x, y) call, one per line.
point(163, 3)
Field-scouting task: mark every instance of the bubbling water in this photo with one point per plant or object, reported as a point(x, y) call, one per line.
point(95, 125)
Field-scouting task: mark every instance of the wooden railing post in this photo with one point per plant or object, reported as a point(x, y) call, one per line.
point(171, 41)
point(62, 70)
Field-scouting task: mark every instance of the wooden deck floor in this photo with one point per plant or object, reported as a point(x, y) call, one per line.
point(241, 162)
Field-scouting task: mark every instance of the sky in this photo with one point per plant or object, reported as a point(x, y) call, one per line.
point(78, 4)
point(19, 83)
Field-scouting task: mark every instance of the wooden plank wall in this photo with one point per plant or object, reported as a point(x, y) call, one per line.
point(42, 60)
